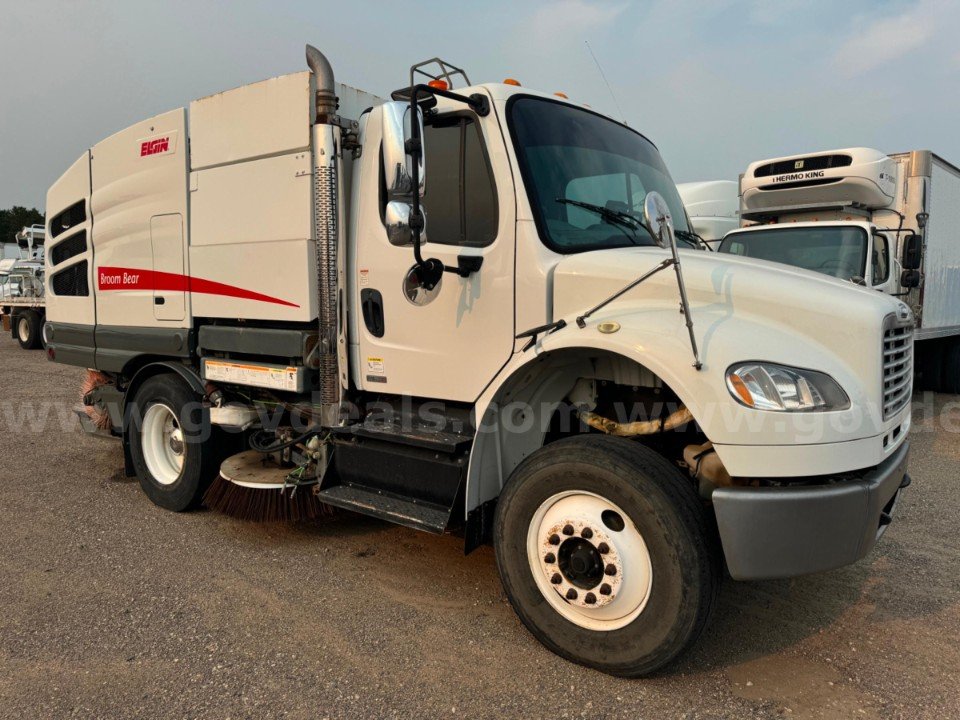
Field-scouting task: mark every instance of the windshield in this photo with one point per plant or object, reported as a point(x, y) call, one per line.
point(837, 251)
point(587, 176)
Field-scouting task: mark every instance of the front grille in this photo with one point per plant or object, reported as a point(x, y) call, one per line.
point(801, 164)
point(897, 368)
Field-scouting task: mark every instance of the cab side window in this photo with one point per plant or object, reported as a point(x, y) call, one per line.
point(460, 196)
point(880, 259)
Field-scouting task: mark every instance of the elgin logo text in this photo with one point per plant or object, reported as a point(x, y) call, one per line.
point(153, 147)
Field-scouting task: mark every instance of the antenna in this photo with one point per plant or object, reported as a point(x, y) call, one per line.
point(606, 82)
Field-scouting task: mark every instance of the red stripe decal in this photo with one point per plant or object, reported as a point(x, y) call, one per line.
point(116, 278)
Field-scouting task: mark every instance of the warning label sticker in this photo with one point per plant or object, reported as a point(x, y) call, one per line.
point(275, 378)
point(375, 366)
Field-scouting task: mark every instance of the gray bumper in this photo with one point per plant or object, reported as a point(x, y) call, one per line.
point(776, 532)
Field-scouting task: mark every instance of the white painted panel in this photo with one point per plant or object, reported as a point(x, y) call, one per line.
point(282, 273)
point(166, 238)
point(137, 173)
point(257, 120)
point(71, 187)
point(257, 201)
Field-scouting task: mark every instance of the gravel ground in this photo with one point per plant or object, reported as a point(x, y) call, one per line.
point(113, 608)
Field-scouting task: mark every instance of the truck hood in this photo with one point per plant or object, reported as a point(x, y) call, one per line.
point(743, 310)
point(717, 282)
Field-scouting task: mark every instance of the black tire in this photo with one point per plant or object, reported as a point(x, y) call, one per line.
point(28, 329)
point(200, 446)
point(681, 541)
point(950, 366)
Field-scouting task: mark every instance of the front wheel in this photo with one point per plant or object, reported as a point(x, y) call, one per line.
point(606, 554)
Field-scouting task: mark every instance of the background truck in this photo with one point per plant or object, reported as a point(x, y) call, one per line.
point(458, 311)
point(713, 207)
point(888, 222)
point(22, 302)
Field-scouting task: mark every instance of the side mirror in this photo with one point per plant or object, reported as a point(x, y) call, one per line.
point(910, 255)
point(397, 162)
point(910, 279)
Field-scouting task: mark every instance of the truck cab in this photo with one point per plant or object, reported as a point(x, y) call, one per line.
point(853, 250)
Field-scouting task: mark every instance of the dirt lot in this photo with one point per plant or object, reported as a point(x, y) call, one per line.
point(113, 608)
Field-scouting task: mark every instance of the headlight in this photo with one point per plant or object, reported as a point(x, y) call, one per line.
point(765, 386)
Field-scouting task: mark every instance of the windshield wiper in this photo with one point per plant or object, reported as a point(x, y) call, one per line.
point(617, 218)
point(693, 239)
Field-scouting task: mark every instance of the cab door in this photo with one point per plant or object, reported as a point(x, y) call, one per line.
point(451, 342)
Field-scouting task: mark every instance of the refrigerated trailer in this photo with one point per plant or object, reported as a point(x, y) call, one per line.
point(458, 311)
point(887, 222)
point(22, 288)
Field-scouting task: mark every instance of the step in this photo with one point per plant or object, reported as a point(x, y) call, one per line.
point(421, 436)
point(420, 516)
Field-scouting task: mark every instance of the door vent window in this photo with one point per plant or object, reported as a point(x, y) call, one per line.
point(71, 247)
point(71, 281)
point(71, 217)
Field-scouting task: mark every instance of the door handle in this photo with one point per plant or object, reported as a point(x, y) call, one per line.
point(371, 306)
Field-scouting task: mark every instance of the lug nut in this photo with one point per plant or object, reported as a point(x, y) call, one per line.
point(568, 529)
point(610, 569)
point(571, 594)
point(605, 589)
point(590, 598)
point(586, 534)
point(549, 558)
point(603, 548)
point(556, 579)
point(554, 539)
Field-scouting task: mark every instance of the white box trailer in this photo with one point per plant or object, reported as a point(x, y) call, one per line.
point(713, 207)
point(22, 294)
point(447, 310)
point(889, 222)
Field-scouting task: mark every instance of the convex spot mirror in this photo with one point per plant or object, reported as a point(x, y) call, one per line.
point(910, 257)
point(657, 217)
point(396, 218)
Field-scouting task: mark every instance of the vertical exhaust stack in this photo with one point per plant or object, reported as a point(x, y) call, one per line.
point(326, 227)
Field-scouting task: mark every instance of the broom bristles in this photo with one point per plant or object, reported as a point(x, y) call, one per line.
point(91, 381)
point(267, 505)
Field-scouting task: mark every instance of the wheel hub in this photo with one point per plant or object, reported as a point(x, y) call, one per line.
point(581, 562)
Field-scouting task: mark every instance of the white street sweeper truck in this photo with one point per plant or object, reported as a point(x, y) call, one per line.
point(888, 222)
point(464, 310)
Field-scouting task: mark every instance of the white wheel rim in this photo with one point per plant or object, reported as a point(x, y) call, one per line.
point(23, 329)
point(163, 445)
point(575, 519)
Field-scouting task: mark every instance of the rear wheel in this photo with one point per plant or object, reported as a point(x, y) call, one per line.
point(175, 451)
point(606, 554)
point(29, 330)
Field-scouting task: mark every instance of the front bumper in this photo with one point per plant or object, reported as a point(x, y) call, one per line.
point(777, 532)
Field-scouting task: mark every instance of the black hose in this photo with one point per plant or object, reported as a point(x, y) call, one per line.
point(255, 443)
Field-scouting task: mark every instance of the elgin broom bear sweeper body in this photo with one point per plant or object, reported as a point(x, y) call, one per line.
point(463, 310)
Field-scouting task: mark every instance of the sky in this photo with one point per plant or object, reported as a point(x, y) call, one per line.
point(715, 85)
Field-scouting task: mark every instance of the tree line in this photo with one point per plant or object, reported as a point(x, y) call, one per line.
point(15, 219)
